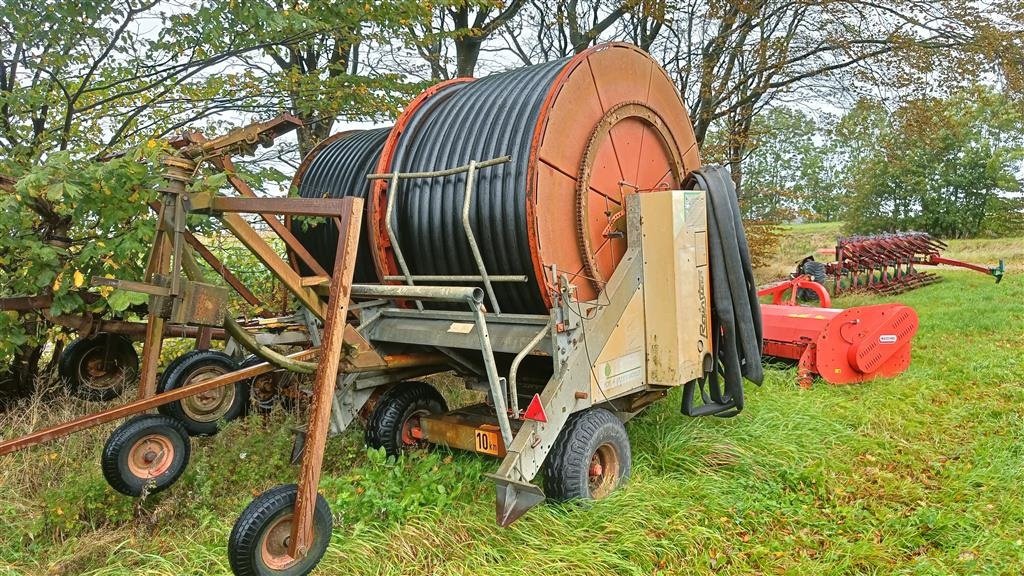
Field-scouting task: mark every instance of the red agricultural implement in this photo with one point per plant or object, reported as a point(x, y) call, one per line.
point(842, 346)
point(887, 263)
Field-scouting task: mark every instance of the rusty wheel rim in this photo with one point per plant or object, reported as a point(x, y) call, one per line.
point(412, 423)
point(603, 472)
point(263, 390)
point(150, 456)
point(100, 370)
point(211, 405)
point(274, 545)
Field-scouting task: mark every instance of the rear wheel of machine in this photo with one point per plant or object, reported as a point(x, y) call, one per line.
point(590, 458)
point(96, 368)
point(258, 545)
point(398, 412)
point(145, 454)
point(201, 413)
point(816, 270)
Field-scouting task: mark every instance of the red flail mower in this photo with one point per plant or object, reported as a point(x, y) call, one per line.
point(886, 263)
point(842, 346)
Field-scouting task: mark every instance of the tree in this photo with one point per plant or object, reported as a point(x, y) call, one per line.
point(734, 59)
point(937, 165)
point(788, 169)
point(306, 57)
point(558, 29)
point(460, 25)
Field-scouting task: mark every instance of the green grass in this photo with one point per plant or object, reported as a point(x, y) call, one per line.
point(921, 474)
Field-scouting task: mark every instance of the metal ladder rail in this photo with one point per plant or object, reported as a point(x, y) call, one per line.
point(407, 276)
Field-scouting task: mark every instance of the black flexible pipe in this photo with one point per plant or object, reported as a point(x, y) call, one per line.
point(735, 310)
point(337, 171)
point(487, 118)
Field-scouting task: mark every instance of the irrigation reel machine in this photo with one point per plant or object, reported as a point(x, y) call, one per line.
point(548, 234)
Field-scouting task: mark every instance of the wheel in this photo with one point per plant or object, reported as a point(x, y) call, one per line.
point(590, 458)
point(263, 394)
point(397, 413)
point(816, 270)
point(201, 413)
point(145, 454)
point(97, 368)
point(258, 545)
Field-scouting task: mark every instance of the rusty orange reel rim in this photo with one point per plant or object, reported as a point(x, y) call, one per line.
point(585, 101)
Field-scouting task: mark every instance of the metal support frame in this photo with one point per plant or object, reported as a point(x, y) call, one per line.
point(473, 298)
point(326, 377)
point(172, 254)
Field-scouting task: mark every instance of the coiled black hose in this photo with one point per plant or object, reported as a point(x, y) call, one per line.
point(480, 120)
point(735, 309)
point(337, 171)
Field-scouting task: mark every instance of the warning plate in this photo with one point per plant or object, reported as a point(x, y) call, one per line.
point(487, 440)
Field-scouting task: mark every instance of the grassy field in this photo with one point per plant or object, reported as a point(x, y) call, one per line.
point(922, 474)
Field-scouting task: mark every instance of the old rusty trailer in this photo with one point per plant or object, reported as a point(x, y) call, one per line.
point(98, 364)
point(611, 336)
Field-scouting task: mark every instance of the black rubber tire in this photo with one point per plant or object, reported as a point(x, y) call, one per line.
point(114, 351)
point(567, 467)
point(816, 270)
point(117, 453)
point(245, 545)
point(198, 421)
point(401, 402)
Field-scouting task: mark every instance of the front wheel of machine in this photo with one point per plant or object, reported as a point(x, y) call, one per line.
point(258, 545)
point(201, 413)
point(145, 454)
point(590, 458)
point(397, 414)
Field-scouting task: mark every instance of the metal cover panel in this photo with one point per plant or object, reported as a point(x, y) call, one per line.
point(676, 282)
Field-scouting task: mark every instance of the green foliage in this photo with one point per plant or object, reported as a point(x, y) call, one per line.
point(944, 166)
point(72, 219)
point(787, 172)
point(387, 492)
point(305, 57)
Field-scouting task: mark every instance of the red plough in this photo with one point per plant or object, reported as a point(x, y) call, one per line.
point(842, 346)
point(888, 263)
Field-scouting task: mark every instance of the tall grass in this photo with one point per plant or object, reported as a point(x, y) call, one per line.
point(920, 474)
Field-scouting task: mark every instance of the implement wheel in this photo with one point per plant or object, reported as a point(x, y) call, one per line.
point(145, 454)
point(263, 389)
point(97, 368)
point(397, 414)
point(590, 458)
point(258, 545)
point(200, 413)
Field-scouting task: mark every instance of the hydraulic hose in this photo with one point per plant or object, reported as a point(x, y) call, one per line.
point(735, 310)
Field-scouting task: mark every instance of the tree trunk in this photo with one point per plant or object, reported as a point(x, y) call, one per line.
point(467, 52)
point(313, 131)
